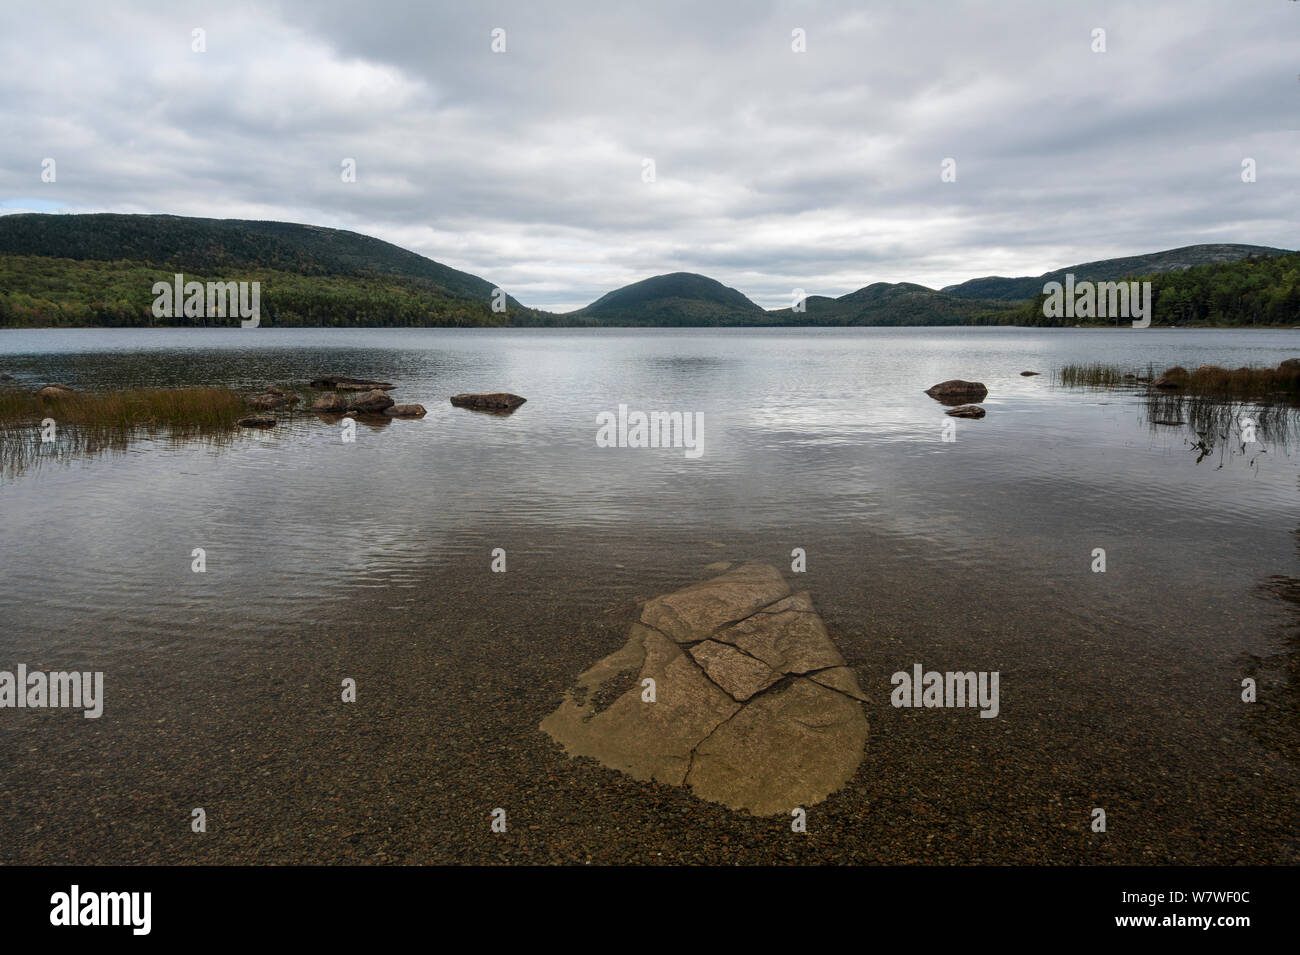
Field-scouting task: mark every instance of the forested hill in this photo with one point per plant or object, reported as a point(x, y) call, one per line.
point(1107, 270)
point(99, 270)
point(891, 303)
point(1249, 293)
point(681, 298)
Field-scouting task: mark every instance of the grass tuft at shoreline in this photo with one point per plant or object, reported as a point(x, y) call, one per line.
point(177, 409)
point(1207, 381)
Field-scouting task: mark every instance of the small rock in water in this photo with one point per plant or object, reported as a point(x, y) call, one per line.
point(966, 411)
point(406, 411)
point(1026, 374)
point(957, 391)
point(492, 401)
point(256, 421)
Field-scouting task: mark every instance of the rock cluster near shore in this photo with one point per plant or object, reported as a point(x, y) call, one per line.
point(753, 706)
point(371, 398)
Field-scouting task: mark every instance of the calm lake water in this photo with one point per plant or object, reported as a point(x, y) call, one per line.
point(811, 438)
point(974, 553)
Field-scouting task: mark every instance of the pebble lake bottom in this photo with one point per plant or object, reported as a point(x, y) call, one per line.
point(1118, 690)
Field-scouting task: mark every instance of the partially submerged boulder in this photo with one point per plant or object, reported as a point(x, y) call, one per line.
point(330, 404)
point(372, 402)
point(488, 401)
point(344, 383)
point(256, 421)
point(966, 411)
point(753, 705)
point(1026, 374)
point(270, 401)
point(406, 411)
point(957, 391)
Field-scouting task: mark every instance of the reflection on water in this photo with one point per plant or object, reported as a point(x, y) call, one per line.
point(822, 439)
point(1223, 429)
point(25, 447)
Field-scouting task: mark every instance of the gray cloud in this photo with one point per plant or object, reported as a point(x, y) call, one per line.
point(774, 169)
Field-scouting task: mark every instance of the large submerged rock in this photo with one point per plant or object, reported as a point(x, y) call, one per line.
point(753, 705)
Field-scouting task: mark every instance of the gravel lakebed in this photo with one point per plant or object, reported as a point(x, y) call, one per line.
point(1115, 705)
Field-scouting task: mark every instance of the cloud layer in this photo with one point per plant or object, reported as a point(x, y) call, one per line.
point(774, 169)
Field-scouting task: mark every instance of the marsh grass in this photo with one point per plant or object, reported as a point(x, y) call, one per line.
point(94, 422)
point(1211, 402)
point(1205, 381)
point(186, 409)
point(1098, 375)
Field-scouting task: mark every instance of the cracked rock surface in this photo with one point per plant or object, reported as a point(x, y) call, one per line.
point(753, 705)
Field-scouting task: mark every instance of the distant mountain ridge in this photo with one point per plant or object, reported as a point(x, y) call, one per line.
point(1026, 287)
point(98, 270)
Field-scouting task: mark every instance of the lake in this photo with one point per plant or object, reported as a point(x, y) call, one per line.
point(371, 559)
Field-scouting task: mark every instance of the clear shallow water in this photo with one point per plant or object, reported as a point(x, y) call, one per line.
point(821, 439)
point(371, 560)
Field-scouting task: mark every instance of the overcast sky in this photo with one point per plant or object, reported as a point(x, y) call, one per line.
point(774, 169)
